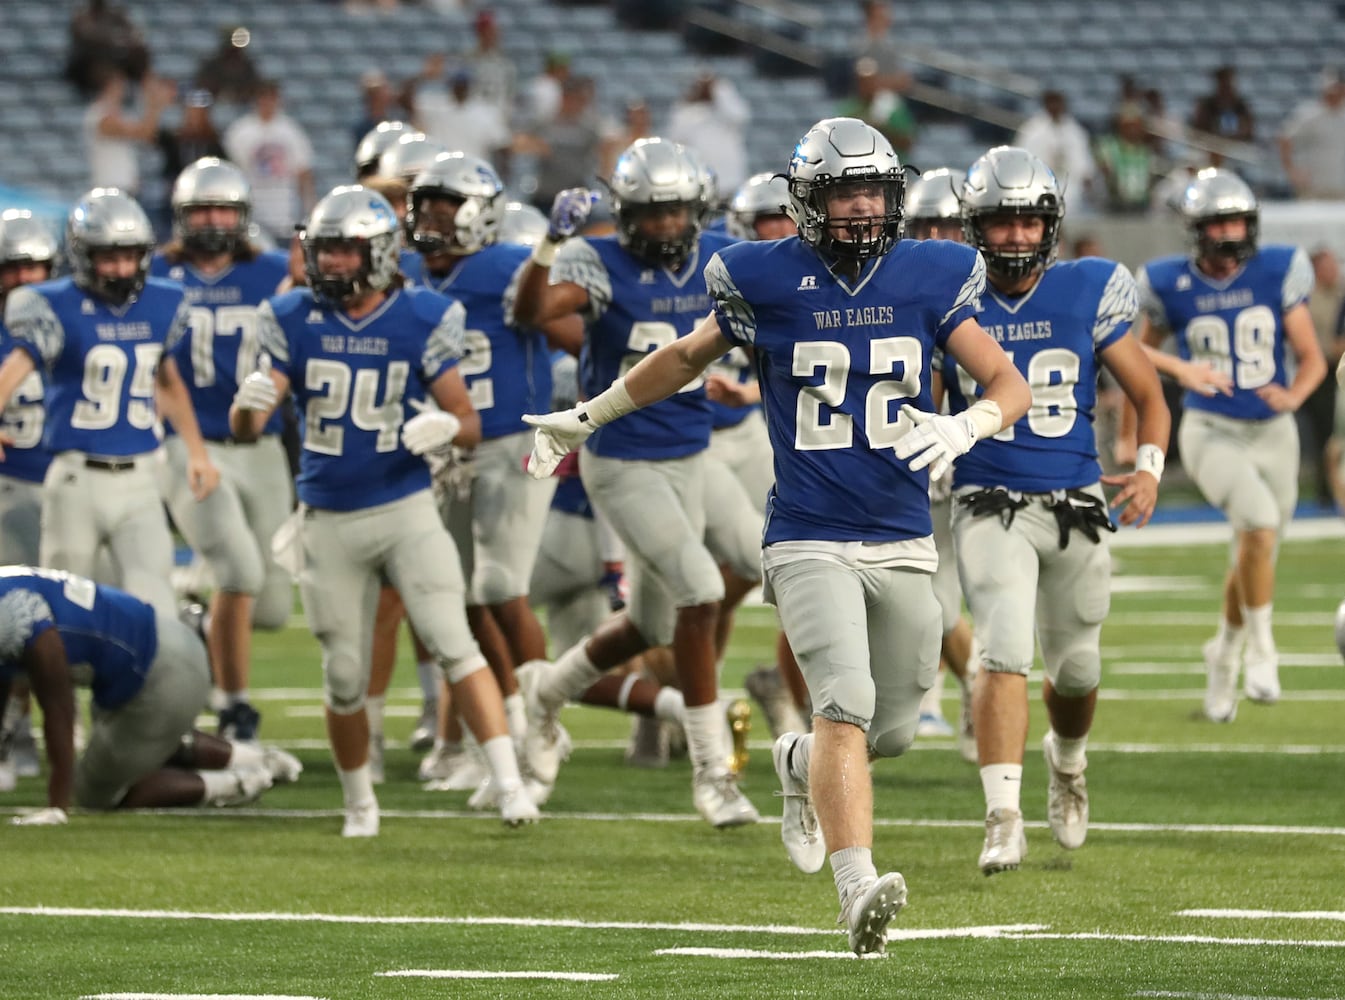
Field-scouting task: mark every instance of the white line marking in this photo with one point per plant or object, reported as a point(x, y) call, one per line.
point(1139, 668)
point(578, 977)
point(1128, 583)
point(1266, 914)
point(1312, 619)
point(752, 953)
point(1194, 695)
point(1162, 536)
point(916, 934)
point(1174, 939)
point(1207, 996)
point(193, 996)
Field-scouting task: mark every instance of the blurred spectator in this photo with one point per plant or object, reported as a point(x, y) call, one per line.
point(1056, 137)
point(103, 34)
point(639, 123)
point(195, 136)
point(543, 101)
point(1164, 130)
point(574, 147)
point(877, 43)
point(1318, 412)
point(365, 6)
point(1127, 162)
point(1224, 112)
point(1087, 245)
point(275, 154)
point(494, 75)
point(459, 119)
point(709, 121)
point(229, 73)
point(111, 137)
point(1312, 143)
point(882, 108)
point(379, 104)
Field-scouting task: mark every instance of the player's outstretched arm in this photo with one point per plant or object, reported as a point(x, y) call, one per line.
point(49, 676)
point(1129, 361)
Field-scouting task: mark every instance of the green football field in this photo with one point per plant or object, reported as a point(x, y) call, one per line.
point(1214, 868)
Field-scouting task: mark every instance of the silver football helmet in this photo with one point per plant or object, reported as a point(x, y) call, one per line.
point(1008, 180)
point(1220, 194)
point(352, 215)
point(108, 219)
point(760, 196)
point(409, 155)
point(652, 176)
point(377, 141)
point(838, 156)
point(522, 224)
point(934, 203)
point(25, 240)
point(211, 181)
point(477, 188)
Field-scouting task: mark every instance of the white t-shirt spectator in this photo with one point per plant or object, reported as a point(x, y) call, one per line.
point(112, 160)
point(1316, 133)
point(272, 154)
point(713, 131)
point(474, 126)
point(1062, 145)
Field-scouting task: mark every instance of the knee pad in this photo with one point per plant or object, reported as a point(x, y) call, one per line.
point(459, 670)
point(1079, 670)
point(846, 698)
point(996, 667)
point(892, 742)
point(494, 584)
point(275, 601)
point(345, 683)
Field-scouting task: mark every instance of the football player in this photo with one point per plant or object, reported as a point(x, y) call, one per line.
point(226, 278)
point(638, 290)
point(848, 553)
point(1239, 312)
point(105, 337)
point(1029, 515)
point(361, 354)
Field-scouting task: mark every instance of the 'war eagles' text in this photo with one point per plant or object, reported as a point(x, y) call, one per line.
point(834, 319)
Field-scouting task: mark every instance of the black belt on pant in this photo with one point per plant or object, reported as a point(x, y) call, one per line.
point(110, 464)
point(231, 441)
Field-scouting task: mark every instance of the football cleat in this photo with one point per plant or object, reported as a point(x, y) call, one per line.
point(1221, 684)
point(799, 830)
point(1066, 799)
point(517, 807)
point(869, 913)
point(422, 737)
point(648, 744)
point(768, 690)
point(239, 722)
point(23, 752)
point(361, 819)
point(933, 725)
point(248, 784)
point(452, 769)
point(740, 727)
point(547, 744)
point(718, 798)
point(1005, 842)
point(283, 766)
point(1261, 679)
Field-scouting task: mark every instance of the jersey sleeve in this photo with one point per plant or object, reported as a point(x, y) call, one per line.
point(271, 336)
point(737, 321)
point(1150, 303)
point(34, 326)
point(178, 329)
point(24, 615)
point(1298, 281)
point(1116, 309)
point(446, 344)
point(967, 301)
point(577, 262)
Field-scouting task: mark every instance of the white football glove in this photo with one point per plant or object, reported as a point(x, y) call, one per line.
point(257, 392)
point(557, 435)
point(429, 430)
point(936, 440)
point(51, 816)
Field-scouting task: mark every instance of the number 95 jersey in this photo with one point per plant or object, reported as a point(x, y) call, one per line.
point(836, 363)
point(1234, 325)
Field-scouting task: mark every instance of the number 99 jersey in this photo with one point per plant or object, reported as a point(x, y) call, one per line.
point(1052, 335)
point(1234, 325)
point(836, 363)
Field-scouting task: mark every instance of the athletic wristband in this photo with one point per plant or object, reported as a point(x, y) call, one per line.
point(544, 253)
point(1149, 458)
point(610, 404)
point(986, 418)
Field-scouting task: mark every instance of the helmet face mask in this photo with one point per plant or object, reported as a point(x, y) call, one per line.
point(1010, 182)
point(476, 193)
point(656, 180)
point(1214, 196)
point(846, 190)
point(211, 183)
point(107, 219)
point(351, 218)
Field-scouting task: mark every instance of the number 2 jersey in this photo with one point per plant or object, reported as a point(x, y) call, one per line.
point(836, 362)
point(99, 361)
point(1235, 325)
point(354, 382)
point(221, 348)
point(110, 637)
point(633, 310)
point(1053, 334)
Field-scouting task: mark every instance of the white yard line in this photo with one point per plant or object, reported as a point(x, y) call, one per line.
point(577, 977)
point(1176, 995)
point(1175, 939)
point(1337, 915)
point(194, 996)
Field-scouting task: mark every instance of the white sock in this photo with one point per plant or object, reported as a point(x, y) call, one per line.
point(852, 867)
point(569, 677)
point(357, 787)
point(705, 729)
point(374, 705)
point(800, 757)
point(516, 714)
point(246, 755)
point(502, 762)
point(1230, 638)
point(930, 703)
point(669, 706)
point(219, 701)
point(1002, 784)
point(1260, 640)
point(1069, 754)
point(218, 784)
point(239, 697)
point(427, 672)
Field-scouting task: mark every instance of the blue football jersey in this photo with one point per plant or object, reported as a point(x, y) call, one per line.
point(1053, 335)
point(507, 370)
point(571, 497)
point(412, 266)
point(221, 347)
point(1235, 325)
point(836, 362)
point(634, 309)
point(23, 420)
point(110, 637)
point(99, 361)
point(354, 382)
